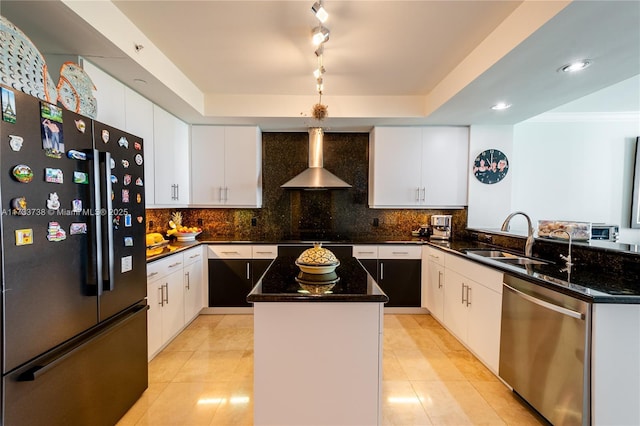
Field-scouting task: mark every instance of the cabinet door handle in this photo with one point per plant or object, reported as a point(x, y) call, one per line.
point(468, 295)
point(365, 252)
point(381, 271)
point(424, 194)
point(226, 194)
point(166, 293)
point(264, 252)
point(177, 191)
point(161, 288)
point(188, 281)
point(220, 194)
point(433, 256)
point(400, 252)
point(462, 296)
point(194, 256)
point(151, 274)
point(439, 279)
point(229, 252)
point(417, 195)
point(173, 265)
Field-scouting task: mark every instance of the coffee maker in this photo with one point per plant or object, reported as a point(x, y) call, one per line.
point(440, 227)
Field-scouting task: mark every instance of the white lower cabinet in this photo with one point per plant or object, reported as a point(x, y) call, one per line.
point(174, 296)
point(193, 283)
point(433, 281)
point(471, 308)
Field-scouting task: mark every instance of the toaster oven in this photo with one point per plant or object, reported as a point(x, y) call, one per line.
point(604, 232)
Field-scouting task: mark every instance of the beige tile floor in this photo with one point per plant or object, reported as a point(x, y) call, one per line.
point(205, 377)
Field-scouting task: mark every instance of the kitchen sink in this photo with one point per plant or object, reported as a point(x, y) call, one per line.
point(521, 261)
point(492, 253)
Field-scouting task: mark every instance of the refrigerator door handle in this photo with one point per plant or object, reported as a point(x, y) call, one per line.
point(107, 217)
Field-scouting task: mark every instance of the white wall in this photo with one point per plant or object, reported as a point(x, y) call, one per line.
point(578, 169)
point(489, 205)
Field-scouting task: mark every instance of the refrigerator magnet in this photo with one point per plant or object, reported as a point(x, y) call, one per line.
point(126, 264)
point(137, 146)
point(125, 195)
point(53, 175)
point(139, 182)
point(76, 206)
point(138, 198)
point(51, 124)
point(128, 241)
point(23, 173)
point(105, 136)
point(114, 179)
point(126, 180)
point(19, 206)
point(55, 233)
point(53, 203)
point(77, 228)
point(127, 221)
point(80, 125)
point(24, 237)
point(139, 219)
point(138, 159)
point(123, 142)
point(15, 142)
point(116, 221)
point(76, 155)
point(112, 164)
point(125, 164)
point(80, 177)
point(8, 106)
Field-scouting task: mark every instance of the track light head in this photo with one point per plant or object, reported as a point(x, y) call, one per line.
point(320, 35)
point(320, 12)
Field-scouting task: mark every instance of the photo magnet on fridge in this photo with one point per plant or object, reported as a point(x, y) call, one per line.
point(24, 237)
point(51, 123)
point(8, 106)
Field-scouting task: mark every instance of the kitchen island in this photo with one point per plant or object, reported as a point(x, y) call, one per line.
point(317, 347)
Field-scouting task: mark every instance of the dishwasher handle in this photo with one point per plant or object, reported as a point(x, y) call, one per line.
point(545, 304)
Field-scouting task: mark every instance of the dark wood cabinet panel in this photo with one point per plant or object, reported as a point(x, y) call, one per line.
point(401, 281)
point(229, 282)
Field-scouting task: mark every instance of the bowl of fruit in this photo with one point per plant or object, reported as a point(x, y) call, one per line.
point(181, 232)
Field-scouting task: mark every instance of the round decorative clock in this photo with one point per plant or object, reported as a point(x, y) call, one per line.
point(490, 166)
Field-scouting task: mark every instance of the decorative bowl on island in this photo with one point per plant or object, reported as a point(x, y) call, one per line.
point(317, 260)
point(187, 236)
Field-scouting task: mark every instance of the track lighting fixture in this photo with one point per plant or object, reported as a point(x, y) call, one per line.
point(320, 35)
point(320, 12)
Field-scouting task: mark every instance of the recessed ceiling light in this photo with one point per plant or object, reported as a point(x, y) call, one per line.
point(575, 66)
point(500, 106)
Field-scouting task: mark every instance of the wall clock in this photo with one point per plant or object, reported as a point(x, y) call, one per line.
point(490, 166)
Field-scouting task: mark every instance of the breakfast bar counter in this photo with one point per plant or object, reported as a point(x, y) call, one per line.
point(317, 346)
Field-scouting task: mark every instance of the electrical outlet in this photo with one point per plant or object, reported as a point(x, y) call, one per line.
point(150, 224)
point(254, 221)
point(376, 221)
point(200, 222)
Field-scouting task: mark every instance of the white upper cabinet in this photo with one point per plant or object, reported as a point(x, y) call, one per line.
point(171, 159)
point(139, 122)
point(418, 167)
point(226, 164)
point(110, 96)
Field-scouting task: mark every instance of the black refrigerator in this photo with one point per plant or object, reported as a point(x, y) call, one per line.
point(74, 330)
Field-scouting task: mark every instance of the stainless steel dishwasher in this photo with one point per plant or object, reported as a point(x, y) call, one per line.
point(545, 350)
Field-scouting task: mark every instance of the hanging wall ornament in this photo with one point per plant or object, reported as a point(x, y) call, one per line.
point(75, 90)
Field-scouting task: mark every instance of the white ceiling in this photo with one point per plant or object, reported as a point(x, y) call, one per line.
point(388, 62)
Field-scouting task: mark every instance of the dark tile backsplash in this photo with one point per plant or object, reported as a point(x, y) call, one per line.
point(296, 214)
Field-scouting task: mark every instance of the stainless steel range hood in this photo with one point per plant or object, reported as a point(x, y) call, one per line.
point(316, 176)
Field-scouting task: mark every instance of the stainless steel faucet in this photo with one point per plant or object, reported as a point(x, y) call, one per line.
point(566, 258)
point(528, 247)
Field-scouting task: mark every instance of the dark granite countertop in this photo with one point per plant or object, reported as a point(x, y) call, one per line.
point(283, 282)
point(592, 285)
point(169, 249)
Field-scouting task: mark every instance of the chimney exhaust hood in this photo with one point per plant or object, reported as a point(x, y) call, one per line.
point(316, 176)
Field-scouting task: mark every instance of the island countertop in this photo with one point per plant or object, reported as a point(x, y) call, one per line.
point(284, 282)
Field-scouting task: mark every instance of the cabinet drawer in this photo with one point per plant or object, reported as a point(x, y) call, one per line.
point(399, 252)
point(264, 252)
point(488, 277)
point(365, 252)
point(163, 267)
point(433, 255)
point(192, 255)
point(229, 252)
